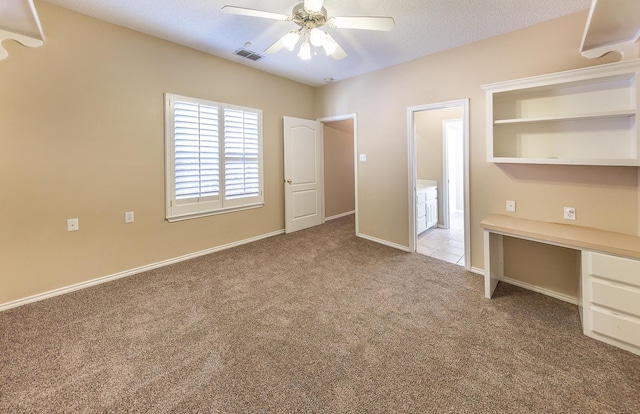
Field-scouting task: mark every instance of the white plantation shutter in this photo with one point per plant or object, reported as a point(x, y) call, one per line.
point(213, 157)
point(197, 158)
point(241, 154)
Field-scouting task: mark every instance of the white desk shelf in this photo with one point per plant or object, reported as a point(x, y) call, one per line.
point(585, 116)
point(609, 300)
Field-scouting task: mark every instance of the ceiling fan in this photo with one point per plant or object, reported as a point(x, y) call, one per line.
point(310, 16)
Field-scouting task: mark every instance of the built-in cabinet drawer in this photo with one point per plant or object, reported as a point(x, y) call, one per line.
point(615, 268)
point(616, 326)
point(619, 297)
point(610, 299)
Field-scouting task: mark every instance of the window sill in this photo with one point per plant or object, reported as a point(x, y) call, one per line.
point(189, 216)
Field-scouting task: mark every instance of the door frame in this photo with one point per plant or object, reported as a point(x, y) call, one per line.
point(446, 205)
point(354, 117)
point(413, 172)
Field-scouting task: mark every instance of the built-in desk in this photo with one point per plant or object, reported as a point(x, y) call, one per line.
point(609, 297)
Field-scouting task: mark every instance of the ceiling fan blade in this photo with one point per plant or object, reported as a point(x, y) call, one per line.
point(254, 13)
point(337, 52)
point(275, 47)
point(365, 23)
point(313, 5)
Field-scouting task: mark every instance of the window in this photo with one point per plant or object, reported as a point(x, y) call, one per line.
point(213, 157)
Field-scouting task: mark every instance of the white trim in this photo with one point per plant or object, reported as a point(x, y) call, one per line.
point(560, 296)
point(446, 213)
point(337, 216)
point(384, 242)
point(214, 212)
point(413, 176)
point(130, 272)
point(573, 75)
point(446, 197)
point(476, 270)
point(411, 157)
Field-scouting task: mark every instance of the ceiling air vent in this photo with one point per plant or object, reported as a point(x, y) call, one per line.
point(248, 54)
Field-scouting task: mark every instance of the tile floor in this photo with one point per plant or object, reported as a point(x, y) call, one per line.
point(444, 244)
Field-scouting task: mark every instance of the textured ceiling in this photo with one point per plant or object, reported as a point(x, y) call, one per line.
point(422, 27)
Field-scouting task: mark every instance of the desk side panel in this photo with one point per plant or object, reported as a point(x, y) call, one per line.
point(493, 262)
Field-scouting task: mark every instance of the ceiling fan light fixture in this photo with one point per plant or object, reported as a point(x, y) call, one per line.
point(305, 51)
point(291, 39)
point(329, 45)
point(309, 16)
point(313, 5)
point(317, 37)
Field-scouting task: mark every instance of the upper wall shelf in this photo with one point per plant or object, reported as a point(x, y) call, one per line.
point(585, 116)
point(594, 115)
point(19, 21)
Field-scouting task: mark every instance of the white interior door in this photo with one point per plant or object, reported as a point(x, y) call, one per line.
point(303, 201)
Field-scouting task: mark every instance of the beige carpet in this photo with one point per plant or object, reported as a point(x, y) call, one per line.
point(314, 322)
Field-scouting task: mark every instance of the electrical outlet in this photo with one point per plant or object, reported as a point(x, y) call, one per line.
point(128, 217)
point(511, 206)
point(73, 225)
point(363, 157)
point(569, 213)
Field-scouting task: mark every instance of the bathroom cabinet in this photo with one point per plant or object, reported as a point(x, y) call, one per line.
point(426, 205)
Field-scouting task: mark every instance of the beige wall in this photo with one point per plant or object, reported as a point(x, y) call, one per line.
point(605, 197)
point(429, 152)
point(339, 183)
point(82, 135)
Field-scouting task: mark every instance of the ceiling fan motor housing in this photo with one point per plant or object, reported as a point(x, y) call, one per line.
point(308, 19)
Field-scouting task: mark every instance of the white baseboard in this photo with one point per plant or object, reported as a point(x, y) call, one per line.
point(544, 291)
point(130, 272)
point(477, 271)
point(533, 288)
point(337, 216)
point(386, 243)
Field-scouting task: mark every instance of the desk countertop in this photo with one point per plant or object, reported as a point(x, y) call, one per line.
point(577, 237)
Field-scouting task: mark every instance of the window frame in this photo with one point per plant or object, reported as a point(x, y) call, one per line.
point(177, 210)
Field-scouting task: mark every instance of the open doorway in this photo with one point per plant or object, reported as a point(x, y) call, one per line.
point(340, 167)
point(438, 181)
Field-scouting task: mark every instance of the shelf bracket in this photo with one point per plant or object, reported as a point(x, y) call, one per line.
point(612, 26)
point(628, 50)
point(19, 21)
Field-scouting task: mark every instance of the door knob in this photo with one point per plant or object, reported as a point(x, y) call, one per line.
point(289, 181)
